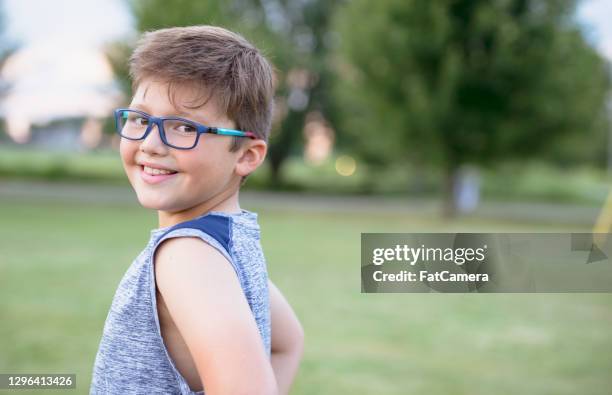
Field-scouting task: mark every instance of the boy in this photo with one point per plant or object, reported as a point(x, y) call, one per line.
point(195, 312)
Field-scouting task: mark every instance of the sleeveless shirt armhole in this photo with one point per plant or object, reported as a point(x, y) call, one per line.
point(182, 232)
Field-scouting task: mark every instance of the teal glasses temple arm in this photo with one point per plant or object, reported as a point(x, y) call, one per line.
point(231, 132)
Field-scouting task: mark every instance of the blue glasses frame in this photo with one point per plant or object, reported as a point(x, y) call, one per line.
point(201, 129)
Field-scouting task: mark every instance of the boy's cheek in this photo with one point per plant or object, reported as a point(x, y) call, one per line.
point(126, 151)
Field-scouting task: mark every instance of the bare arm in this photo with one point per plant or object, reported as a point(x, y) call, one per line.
point(205, 300)
point(287, 340)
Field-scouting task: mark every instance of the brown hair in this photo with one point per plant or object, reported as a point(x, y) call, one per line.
point(221, 64)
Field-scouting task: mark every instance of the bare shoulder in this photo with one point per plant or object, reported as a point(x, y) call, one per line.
point(184, 247)
point(185, 254)
point(188, 268)
point(205, 300)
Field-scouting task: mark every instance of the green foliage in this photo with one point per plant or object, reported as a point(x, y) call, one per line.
point(157, 14)
point(118, 53)
point(7, 48)
point(61, 166)
point(517, 182)
point(461, 81)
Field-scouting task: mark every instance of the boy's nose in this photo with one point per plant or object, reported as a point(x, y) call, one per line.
point(153, 144)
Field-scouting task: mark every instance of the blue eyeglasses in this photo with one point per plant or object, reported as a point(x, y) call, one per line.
point(175, 132)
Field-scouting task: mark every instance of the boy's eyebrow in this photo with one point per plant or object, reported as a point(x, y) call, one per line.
point(193, 117)
point(188, 116)
point(176, 113)
point(139, 106)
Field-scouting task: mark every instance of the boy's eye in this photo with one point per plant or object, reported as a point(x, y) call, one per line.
point(138, 120)
point(185, 128)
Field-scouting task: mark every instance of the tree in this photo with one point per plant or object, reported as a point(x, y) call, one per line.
point(7, 48)
point(454, 82)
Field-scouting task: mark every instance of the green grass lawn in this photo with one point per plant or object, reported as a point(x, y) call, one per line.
point(60, 265)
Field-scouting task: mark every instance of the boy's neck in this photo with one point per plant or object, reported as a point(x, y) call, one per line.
point(222, 202)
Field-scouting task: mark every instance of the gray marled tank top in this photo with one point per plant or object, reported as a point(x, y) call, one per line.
point(132, 357)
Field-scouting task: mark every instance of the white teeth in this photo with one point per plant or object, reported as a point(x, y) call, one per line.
point(156, 172)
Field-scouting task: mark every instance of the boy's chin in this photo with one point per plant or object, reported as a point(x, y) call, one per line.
point(155, 204)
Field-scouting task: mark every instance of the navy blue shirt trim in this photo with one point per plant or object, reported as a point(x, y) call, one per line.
point(217, 226)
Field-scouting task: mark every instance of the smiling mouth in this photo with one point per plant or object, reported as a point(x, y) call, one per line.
point(156, 172)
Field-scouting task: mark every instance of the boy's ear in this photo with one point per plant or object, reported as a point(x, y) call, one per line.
point(251, 155)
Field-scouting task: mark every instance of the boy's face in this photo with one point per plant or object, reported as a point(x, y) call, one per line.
point(201, 174)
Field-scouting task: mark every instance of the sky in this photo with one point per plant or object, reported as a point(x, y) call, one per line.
point(60, 70)
point(76, 22)
point(596, 17)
